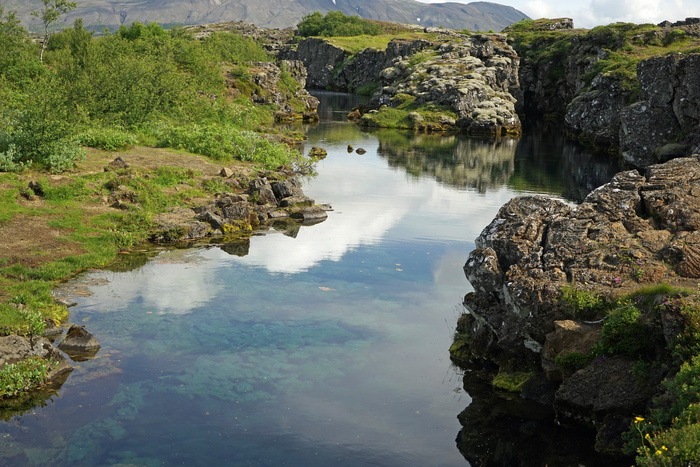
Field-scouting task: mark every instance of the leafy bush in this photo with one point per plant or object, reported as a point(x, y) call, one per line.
point(624, 332)
point(16, 378)
point(226, 143)
point(582, 304)
point(109, 139)
point(20, 321)
point(336, 23)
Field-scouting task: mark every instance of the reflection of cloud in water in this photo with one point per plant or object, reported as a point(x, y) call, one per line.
point(370, 218)
point(175, 282)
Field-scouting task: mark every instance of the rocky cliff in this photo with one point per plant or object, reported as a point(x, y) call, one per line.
point(444, 82)
point(543, 273)
point(609, 93)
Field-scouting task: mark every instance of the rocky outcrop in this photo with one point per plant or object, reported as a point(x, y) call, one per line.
point(641, 228)
point(475, 77)
point(331, 67)
point(17, 348)
point(669, 106)
point(294, 103)
point(648, 120)
point(661, 125)
point(267, 199)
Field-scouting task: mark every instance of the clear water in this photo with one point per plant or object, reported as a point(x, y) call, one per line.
point(324, 345)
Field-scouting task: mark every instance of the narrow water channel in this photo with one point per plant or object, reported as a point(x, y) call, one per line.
point(317, 346)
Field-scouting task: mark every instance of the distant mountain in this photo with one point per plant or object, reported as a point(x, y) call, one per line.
point(476, 16)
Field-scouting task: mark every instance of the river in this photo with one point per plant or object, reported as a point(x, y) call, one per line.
point(312, 346)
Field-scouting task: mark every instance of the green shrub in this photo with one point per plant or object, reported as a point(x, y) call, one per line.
point(16, 378)
point(571, 362)
point(109, 139)
point(226, 143)
point(582, 304)
point(624, 332)
point(336, 23)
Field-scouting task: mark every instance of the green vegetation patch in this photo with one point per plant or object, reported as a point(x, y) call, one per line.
point(405, 113)
point(512, 382)
point(336, 23)
point(17, 378)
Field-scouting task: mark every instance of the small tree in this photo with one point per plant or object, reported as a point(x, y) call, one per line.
point(52, 12)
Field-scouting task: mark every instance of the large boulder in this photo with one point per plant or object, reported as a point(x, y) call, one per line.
point(637, 229)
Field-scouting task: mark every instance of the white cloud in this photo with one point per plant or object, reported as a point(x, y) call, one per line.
point(591, 13)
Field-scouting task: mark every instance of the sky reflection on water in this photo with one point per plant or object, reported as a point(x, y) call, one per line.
point(327, 348)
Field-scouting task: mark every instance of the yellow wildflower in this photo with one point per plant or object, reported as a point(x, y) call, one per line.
point(638, 419)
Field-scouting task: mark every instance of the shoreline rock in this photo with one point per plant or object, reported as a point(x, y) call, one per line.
point(639, 229)
point(268, 198)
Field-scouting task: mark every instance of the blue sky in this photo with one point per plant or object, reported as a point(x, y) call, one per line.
point(591, 13)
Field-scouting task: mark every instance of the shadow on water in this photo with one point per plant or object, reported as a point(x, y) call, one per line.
point(542, 161)
point(454, 161)
point(545, 160)
point(502, 429)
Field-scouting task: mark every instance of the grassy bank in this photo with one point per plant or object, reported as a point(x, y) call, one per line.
point(135, 94)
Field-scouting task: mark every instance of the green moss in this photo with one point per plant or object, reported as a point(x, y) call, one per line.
point(398, 115)
point(367, 89)
point(570, 362)
point(582, 304)
point(512, 382)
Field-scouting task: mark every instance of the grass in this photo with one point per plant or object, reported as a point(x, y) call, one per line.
point(78, 231)
point(356, 44)
point(624, 44)
point(398, 115)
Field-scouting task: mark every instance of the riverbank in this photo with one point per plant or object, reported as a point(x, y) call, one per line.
point(56, 226)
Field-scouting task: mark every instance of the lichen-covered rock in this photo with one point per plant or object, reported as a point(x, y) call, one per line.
point(636, 229)
point(595, 114)
point(320, 58)
point(639, 229)
point(265, 200)
point(475, 77)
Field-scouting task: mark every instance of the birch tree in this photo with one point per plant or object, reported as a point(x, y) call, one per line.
point(50, 14)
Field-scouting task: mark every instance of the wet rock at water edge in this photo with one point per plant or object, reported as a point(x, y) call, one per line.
point(16, 348)
point(317, 153)
point(311, 214)
point(79, 343)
